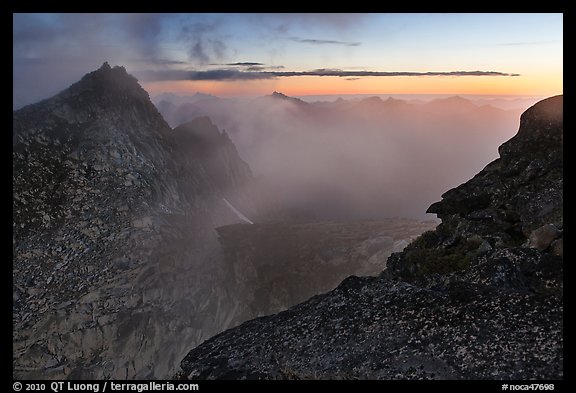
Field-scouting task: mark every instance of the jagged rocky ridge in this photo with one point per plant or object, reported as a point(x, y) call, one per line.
point(480, 297)
point(113, 246)
point(117, 266)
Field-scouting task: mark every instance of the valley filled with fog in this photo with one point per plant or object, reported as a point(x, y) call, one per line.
point(358, 157)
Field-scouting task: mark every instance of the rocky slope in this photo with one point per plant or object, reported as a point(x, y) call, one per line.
point(277, 264)
point(480, 297)
point(113, 240)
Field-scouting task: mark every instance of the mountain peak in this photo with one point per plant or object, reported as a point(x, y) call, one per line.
point(113, 76)
point(111, 87)
point(279, 95)
point(200, 124)
point(105, 66)
point(200, 133)
point(106, 93)
point(373, 99)
point(541, 130)
point(100, 177)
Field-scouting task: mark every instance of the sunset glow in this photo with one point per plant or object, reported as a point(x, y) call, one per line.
point(542, 85)
point(299, 54)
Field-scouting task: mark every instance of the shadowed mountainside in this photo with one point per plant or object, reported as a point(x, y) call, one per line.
point(113, 238)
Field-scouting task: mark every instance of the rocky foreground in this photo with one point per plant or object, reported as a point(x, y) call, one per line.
point(481, 297)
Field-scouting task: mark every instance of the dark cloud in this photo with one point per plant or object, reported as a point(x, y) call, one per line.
point(51, 51)
point(323, 42)
point(92, 36)
point(205, 43)
point(210, 75)
point(245, 63)
point(198, 52)
point(340, 73)
point(251, 66)
point(352, 79)
point(232, 74)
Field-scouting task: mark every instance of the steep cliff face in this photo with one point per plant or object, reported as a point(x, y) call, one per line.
point(113, 241)
point(524, 186)
point(480, 297)
point(515, 200)
point(200, 141)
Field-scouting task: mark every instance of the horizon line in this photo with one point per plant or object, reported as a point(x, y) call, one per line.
point(356, 94)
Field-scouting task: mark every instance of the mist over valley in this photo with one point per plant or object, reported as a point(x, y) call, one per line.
point(355, 158)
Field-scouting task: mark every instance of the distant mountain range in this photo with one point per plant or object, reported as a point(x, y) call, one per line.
point(504, 102)
point(501, 102)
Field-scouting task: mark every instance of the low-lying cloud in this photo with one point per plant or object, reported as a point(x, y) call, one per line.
point(235, 74)
point(245, 64)
point(323, 42)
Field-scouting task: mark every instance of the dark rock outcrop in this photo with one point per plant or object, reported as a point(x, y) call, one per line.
point(520, 191)
point(503, 205)
point(470, 300)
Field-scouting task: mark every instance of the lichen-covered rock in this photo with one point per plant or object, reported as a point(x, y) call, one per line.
point(375, 328)
point(469, 300)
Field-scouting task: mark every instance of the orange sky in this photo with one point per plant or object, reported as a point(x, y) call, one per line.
point(541, 85)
